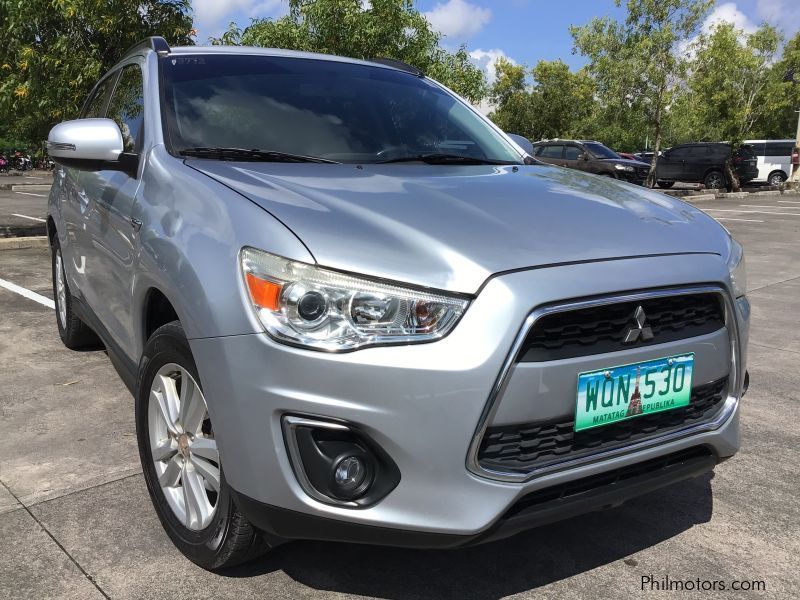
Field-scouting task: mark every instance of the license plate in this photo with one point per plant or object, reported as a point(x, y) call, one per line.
point(618, 393)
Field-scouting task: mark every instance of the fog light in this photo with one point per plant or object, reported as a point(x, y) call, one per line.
point(350, 472)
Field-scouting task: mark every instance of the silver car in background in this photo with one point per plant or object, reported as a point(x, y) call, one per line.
point(350, 308)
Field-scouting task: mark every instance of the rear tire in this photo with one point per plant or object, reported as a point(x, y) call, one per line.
point(715, 180)
point(665, 184)
point(191, 497)
point(74, 333)
point(776, 178)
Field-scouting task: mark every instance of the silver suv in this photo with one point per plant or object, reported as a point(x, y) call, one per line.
point(350, 308)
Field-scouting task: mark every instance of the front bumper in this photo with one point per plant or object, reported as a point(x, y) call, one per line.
point(422, 404)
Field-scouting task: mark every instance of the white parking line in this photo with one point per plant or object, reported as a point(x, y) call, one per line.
point(788, 201)
point(27, 217)
point(32, 194)
point(770, 206)
point(13, 287)
point(758, 212)
point(732, 219)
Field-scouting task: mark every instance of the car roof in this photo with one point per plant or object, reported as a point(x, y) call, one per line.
point(278, 52)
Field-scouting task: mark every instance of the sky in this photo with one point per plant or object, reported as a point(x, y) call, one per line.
point(524, 31)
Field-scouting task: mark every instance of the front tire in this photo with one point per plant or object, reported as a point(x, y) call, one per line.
point(74, 333)
point(181, 461)
point(665, 184)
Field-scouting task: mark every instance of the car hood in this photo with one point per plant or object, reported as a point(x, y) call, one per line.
point(451, 227)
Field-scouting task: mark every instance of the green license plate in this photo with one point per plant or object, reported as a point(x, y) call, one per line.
point(618, 393)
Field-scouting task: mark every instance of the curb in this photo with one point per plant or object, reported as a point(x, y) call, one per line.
point(16, 243)
point(31, 187)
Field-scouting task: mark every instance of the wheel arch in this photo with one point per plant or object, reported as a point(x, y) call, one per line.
point(776, 171)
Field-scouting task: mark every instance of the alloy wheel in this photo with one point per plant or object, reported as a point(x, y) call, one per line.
point(61, 290)
point(183, 447)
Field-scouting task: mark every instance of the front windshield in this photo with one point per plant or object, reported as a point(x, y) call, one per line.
point(334, 110)
point(600, 151)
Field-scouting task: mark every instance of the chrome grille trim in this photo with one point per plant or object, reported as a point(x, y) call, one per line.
point(728, 408)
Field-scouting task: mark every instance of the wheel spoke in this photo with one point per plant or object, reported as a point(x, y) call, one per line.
point(194, 497)
point(164, 450)
point(207, 471)
point(192, 406)
point(172, 474)
point(167, 400)
point(206, 448)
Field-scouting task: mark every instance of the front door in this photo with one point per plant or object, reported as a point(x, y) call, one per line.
point(110, 233)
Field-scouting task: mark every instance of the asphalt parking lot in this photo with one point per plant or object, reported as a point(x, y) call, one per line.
point(76, 522)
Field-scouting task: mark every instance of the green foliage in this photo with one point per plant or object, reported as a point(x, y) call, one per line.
point(53, 51)
point(636, 63)
point(383, 29)
point(732, 85)
point(557, 104)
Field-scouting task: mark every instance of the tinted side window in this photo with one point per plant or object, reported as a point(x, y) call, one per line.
point(572, 152)
point(127, 107)
point(758, 149)
point(552, 152)
point(96, 105)
point(783, 149)
point(679, 153)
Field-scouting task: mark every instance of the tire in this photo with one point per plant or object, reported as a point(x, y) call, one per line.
point(776, 178)
point(715, 180)
point(210, 531)
point(74, 333)
point(665, 184)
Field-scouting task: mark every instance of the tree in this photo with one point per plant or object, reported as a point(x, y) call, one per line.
point(783, 96)
point(637, 63)
point(556, 104)
point(53, 51)
point(380, 29)
point(734, 84)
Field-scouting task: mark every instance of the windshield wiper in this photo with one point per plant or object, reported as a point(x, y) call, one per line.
point(446, 159)
point(254, 155)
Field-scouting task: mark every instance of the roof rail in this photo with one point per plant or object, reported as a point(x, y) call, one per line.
point(155, 42)
point(398, 64)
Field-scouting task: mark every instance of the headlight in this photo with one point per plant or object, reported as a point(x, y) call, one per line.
point(326, 310)
point(736, 266)
point(623, 167)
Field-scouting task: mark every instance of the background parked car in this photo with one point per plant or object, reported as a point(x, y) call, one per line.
point(704, 163)
point(774, 159)
point(592, 157)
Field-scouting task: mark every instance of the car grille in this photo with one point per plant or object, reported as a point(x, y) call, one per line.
point(535, 445)
point(603, 328)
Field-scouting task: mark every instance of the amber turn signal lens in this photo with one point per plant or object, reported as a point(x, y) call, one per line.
point(265, 294)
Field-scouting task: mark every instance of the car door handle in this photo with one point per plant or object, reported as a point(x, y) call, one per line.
point(136, 224)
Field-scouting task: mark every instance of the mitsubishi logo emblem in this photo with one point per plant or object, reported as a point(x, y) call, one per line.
point(640, 329)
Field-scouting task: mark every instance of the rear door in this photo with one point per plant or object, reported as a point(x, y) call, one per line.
point(697, 161)
point(109, 229)
point(552, 154)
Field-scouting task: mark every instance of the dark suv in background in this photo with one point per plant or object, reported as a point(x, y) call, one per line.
point(592, 157)
point(704, 163)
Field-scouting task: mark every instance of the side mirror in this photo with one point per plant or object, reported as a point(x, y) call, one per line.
point(583, 156)
point(88, 145)
point(522, 142)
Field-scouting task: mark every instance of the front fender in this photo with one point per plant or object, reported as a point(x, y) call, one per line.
point(193, 228)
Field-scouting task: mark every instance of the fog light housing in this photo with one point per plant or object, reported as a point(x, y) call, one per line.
point(336, 463)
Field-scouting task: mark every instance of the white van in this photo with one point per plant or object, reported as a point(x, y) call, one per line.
point(774, 159)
